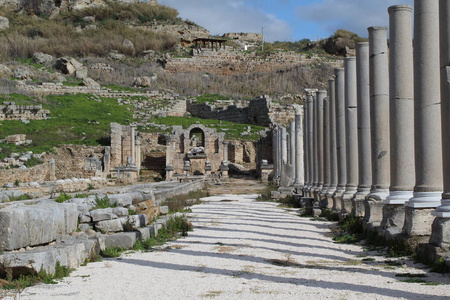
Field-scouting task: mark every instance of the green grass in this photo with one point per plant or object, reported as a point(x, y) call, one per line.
point(104, 202)
point(63, 197)
point(42, 276)
point(70, 122)
point(21, 197)
point(112, 251)
point(232, 130)
point(211, 98)
point(116, 87)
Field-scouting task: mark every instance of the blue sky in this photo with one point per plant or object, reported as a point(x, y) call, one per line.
point(286, 20)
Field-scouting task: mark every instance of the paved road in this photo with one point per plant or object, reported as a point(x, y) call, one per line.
point(242, 249)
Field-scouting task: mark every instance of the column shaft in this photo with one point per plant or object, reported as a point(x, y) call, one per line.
point(299, 167)
point(332, 148)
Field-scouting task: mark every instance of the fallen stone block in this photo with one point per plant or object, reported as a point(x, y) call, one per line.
point(120, 211)
point(144, 233)
point(30, 225)
point(134, 221)
point(124, 239)
point(109, 226)
point(103, 214)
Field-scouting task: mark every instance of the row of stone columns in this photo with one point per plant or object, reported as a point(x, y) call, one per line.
point(376, 141)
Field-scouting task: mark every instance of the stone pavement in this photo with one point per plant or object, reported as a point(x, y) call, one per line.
point(242, 249)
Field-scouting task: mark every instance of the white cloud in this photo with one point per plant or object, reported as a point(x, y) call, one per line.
point(353, 15)
point(231, 16)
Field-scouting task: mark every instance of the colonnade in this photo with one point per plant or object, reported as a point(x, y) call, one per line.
point(376, 142)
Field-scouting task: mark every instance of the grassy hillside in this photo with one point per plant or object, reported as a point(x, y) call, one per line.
point(70, 33)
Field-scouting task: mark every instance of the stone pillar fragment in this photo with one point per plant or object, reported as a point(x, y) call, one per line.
point(364, 144)
point(401, 106)
point(427, 120)
point(275, 153)
point(332, 148)
point(351, 134)
point(340, 138)
point(306, 147)
point(292, 143)
point(283, 141)
point(379, 125)
point(299, 167)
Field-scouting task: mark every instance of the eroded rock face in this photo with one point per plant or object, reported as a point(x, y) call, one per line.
point(68, 65)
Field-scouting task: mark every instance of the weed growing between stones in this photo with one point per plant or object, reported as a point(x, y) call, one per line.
point(63, 197)
point(81, 195)
point(112, 251)
point(329, 215)
point(349, 230)
point(20, 198)
point(440, 266)
point(103, 202)
point(23, 281)
point(266, 194)
point(179, 202)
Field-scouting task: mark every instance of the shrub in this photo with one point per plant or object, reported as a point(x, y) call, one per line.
point(104, 202)
point(112, 252)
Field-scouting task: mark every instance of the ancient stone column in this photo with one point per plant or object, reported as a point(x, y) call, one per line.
point(441, 225)
point(351, 134)
point(299, 167)
point(107, 160)
point(326, 152)
point(133, 143)
point(379, 125)
point(315, 152)
point(306, 147)
point(292, 145)
point(310, 122)
point(340, 137)
point(319, 135)
point(427, 120)
point(284, 152)
point(52, 169)
point(275, 152)
point(364, 144)
point(332, 149)
point(225, 151)
point(401, 106)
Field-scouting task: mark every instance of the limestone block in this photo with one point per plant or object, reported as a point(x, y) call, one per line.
point(151, 212)
point(144, 233)
point(84, 218)
point(82, 73)
point(109, 226)
point(146, 204)
point(85, 227)
point(124, 239)
point(120, 211)
point(124, 199)
point(135, 221)
point(164, 209)
point(441, 233)
point(418, 222)
point(102, 214)
point(29, 225)
point(5, 72)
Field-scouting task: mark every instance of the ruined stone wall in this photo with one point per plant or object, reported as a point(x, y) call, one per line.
point(183, 31)
point(70, 160)
point(238, 62)
point(260, 111)
point(37, 173)
point(244, 36)
point(11, 111)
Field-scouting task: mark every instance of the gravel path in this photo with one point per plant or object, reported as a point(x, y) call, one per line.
point(242, 249)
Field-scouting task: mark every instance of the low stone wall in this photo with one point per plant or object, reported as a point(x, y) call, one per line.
point(37, 173)
point(11, 111)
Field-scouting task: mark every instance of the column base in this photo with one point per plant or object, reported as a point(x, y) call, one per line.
point(393, 219)
point(418, 221)
point(346, 201)
point(337, 199)
point(373, 211)
point(443, 211)
point(358, 209)
point(329, 198)
point(425, 200)
point(398, 197)
point(440, 235)
point(316, 195)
